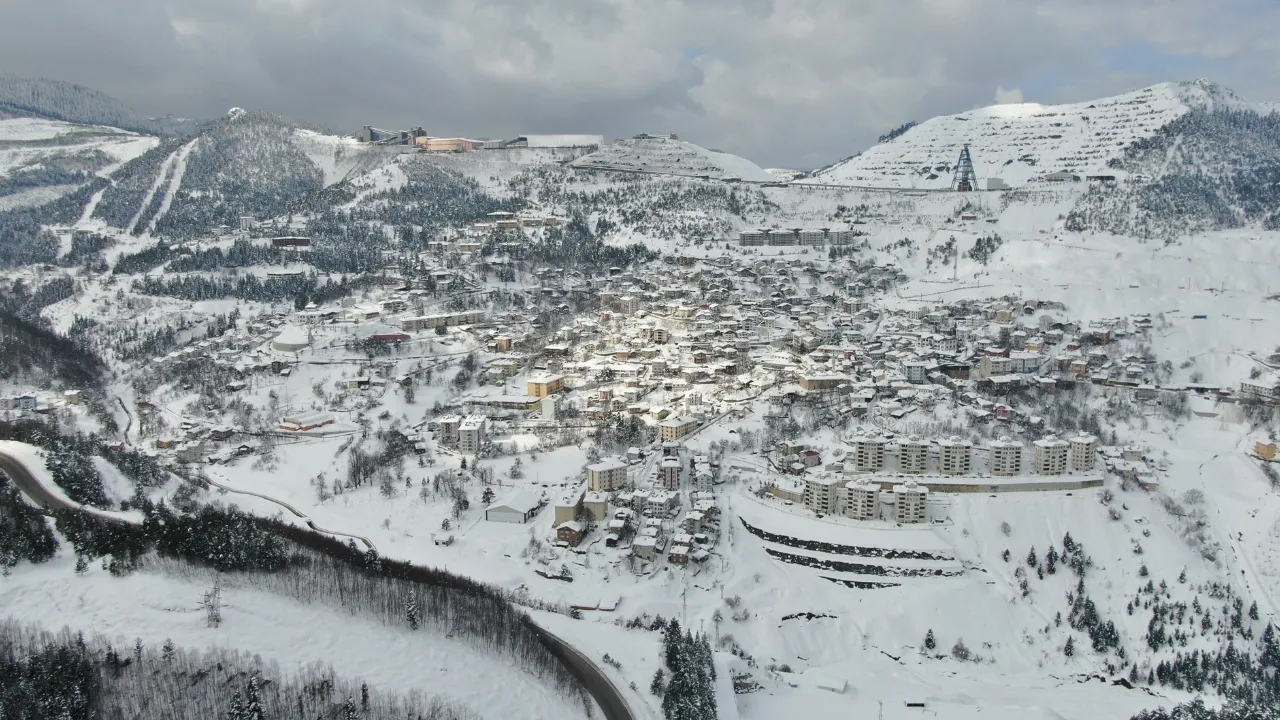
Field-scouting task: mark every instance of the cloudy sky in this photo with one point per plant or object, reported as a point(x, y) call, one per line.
point(788, 83)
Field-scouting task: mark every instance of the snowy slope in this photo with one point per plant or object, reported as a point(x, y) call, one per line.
point(41, 160)
point(662, 156)
point(1021, 142)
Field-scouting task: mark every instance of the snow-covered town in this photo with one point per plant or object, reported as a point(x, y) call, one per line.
point(640, 429)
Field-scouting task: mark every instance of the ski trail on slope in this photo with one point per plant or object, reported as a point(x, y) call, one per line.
point(175, 181)
point(165, 167)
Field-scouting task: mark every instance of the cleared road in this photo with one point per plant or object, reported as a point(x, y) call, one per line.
point(592, 677)
point(27, 483)
point(597, 683)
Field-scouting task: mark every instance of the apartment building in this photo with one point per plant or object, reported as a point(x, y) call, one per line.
point(1051, 456)
point(955, 456)
point(1005, 457)
point(913, 455)
point(545, 385)
point(910, 503)
point(472, 433)
point(868, 453)
point(608, 475)
point(822, 493)
point(676, 428)
point(862, 500)
point(1084, 452)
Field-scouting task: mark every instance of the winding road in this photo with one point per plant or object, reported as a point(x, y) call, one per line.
point(606, 694)
point(31, 487)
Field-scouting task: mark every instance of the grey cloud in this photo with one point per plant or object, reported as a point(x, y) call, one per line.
point(783, 82)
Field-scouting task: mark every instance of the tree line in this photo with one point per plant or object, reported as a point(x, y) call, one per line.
point(70, 677)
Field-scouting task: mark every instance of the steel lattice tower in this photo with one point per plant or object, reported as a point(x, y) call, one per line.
point(965, 179)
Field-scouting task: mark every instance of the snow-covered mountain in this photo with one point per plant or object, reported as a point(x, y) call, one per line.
point(41, 160)
point(666, 156)
point(1019, 143)
point(247, 163)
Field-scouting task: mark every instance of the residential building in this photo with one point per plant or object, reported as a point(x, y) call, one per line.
point(1005, 457)
point(446, 429)
point(821, 493)
point(669, 473)
point(869, 453)
point(913, 454)
point(608, 475)
point(1084, 452)
point(662, 504)
point(1264, 387)
point(473, 431)
point(822, 383)
point(571, 532)
point(862, 500)
point(1051, 456)
point(568, 506)
point(545, 385)
point(676, 428)
point(916, 371)
point(910, 502)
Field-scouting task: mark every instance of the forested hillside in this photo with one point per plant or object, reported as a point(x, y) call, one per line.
point(1207, 170)
point(61, 100)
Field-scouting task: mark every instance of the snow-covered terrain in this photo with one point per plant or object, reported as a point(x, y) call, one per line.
point(42, 160)
point(664, 156)
point(435, 285)
point(1020, 143)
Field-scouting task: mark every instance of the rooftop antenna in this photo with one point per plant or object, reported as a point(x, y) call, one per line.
point(964, 180)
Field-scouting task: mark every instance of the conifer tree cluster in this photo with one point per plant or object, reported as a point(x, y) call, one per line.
point(690, 694)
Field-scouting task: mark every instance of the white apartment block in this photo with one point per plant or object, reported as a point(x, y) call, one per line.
point(955, 456)
point(868, 453)
point(669, 473)
point(913, 455)
point(862, 501)
point(1084, 452)
point(447, 429)
point(1051, 456)
point(472, 432)
point(822, 493)
point(608, 475)
point(1005, 459)
point(910, 503)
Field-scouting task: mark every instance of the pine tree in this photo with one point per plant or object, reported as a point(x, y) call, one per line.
point(930, 643)
point(658, 686)
point(1253, 610)
point(166, 651)
point(411, 612)
point(137, 650)
point(82, 565)
point(1070, 648)
point(349, 710)
point(1031, 557)
point(1051, 561)
point(253, 699)
point(237, 710)
point(364, 696)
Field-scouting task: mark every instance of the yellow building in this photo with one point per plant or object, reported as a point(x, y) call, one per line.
point(545, 385)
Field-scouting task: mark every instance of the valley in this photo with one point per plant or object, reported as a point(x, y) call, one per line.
point(849, 443)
